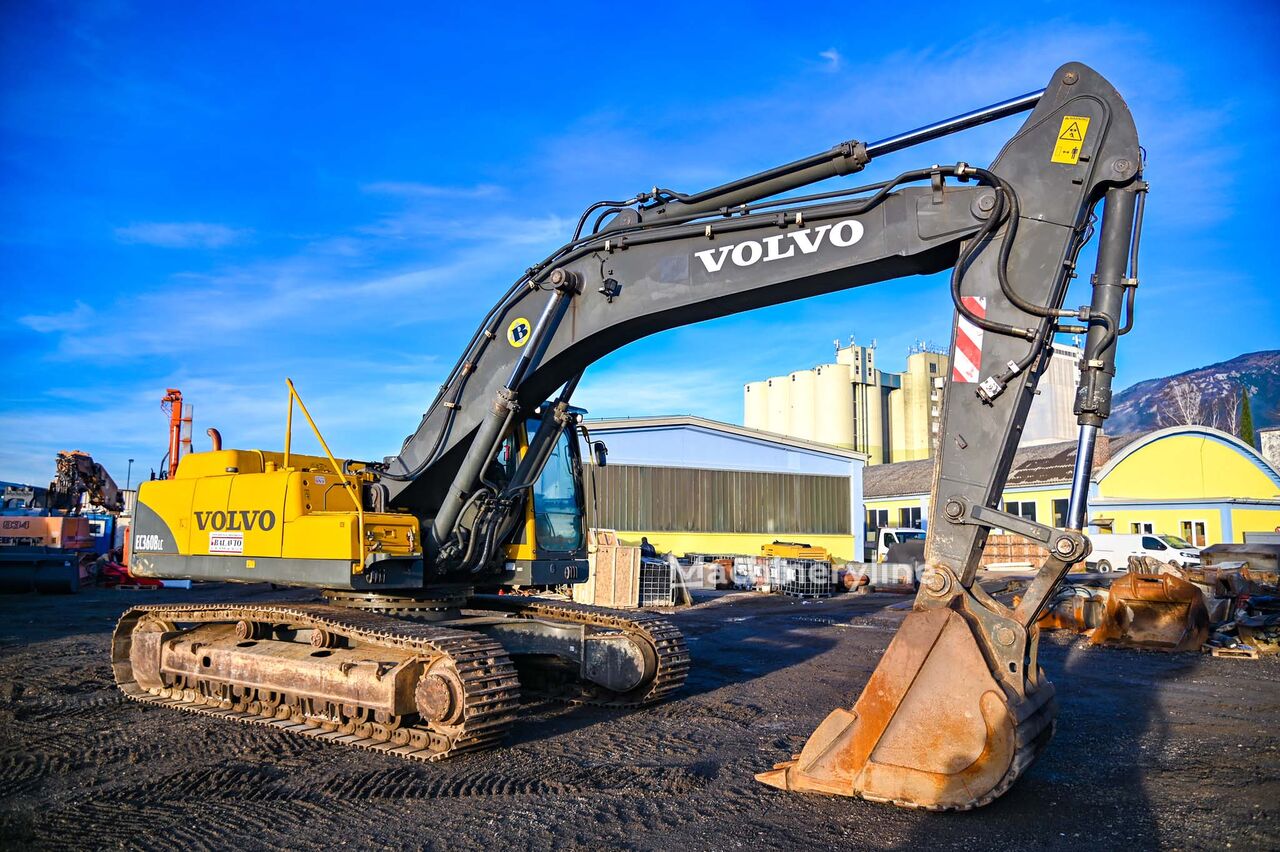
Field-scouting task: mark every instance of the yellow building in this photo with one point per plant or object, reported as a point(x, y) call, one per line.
point(1191, 481)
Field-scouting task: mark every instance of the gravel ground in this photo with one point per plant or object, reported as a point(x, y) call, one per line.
point(1152, 751)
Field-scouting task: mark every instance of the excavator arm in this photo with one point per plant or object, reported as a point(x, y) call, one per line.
point(1010, 233)
point(958, 707)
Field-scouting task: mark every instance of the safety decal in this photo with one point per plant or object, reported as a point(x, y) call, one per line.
point(1070, 139)
point(967, 362)
point(518, 332)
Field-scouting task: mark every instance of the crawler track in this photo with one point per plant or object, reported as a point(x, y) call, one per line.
point(671, 654)
point(490, 686)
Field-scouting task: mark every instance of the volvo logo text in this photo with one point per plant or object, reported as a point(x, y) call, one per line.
point(263, 520)
point(750, 252)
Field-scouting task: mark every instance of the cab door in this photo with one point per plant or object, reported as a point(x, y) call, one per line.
point(558, 503)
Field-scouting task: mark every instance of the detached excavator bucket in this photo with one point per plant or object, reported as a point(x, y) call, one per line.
point(934, 728)
point(1154, 611)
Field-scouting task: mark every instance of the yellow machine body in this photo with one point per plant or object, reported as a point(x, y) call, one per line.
point(242, 515)
point(795, 550)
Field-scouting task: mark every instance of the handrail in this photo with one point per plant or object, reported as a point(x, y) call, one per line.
point(337, 468)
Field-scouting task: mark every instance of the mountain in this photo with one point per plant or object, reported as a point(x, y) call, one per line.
point(1150, 405)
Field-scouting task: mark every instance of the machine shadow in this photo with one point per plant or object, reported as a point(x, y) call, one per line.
point(730, 646)
point(1088, 787)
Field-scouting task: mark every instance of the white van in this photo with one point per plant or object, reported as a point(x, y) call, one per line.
point(887, 537)
point(1112, 552)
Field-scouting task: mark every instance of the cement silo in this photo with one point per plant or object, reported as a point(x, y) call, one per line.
point(873, 416)
point(833, 405)
point(803, 403)
point(779, 414)
point(1052, 417)
point(755, 405)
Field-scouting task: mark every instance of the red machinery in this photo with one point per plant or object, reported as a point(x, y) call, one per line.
point(179, 428)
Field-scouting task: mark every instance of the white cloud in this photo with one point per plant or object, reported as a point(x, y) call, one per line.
point(510, 230)
point(833, 58)
point(181, 234)
point(627, 391)
point(77, 319)
point(410, 189)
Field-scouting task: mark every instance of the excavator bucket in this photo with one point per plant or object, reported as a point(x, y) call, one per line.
point(933, 728)
point(1154, 611)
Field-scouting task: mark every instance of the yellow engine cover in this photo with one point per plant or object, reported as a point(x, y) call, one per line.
point(243, 504)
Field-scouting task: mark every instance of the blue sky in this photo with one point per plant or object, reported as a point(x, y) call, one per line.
point(213, 197)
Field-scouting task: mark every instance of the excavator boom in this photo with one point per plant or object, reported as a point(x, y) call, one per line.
point(958, 707)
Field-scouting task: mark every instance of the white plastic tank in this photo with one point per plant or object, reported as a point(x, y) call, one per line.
point(803, 398)
point(833, 405)
point(755, 405)
point(779, 414)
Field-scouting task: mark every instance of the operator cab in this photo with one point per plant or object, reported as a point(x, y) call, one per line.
point(549, 546)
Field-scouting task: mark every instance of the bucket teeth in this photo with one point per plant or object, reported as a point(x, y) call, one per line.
point(777, 776)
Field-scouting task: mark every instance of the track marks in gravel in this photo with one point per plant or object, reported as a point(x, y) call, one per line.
point(264, 783)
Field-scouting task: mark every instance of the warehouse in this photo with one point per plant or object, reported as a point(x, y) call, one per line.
point(1190, 481)
point(692, 485)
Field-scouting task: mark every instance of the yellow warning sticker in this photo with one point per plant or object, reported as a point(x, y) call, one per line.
point(518, 332)
point(1070, 139)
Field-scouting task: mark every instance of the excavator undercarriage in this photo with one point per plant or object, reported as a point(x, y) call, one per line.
point(486, 495)
point(405, 675)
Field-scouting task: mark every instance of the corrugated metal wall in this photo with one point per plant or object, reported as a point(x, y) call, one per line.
point(677, 499)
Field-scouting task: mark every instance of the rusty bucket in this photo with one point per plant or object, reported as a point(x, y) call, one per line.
point(1154, 611)
point(934, 728)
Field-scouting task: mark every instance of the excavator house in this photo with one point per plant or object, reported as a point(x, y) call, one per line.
point(411, 649)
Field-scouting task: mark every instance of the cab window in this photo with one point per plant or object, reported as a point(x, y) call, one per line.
point(1150, 542)
point(557, 504)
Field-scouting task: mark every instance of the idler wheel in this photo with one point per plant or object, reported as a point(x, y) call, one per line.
point(439, 696)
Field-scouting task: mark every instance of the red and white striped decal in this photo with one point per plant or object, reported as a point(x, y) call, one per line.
point(967, 361)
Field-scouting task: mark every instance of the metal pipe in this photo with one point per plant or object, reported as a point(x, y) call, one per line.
point(843, 159)
point(337, 468)
point(491, 429)
point(1078, 504)
point(946, 127)
point(1098, 367)
point(288, 427)
point(540, 447)
point(538, 342)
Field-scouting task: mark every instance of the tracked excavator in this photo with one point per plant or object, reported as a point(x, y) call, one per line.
point(414, 651)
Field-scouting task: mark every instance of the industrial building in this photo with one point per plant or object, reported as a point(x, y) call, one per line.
point(892, 417)
point(692, 485)
point(1191, 481)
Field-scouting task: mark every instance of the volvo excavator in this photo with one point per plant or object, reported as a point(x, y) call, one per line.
point(415, 649)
